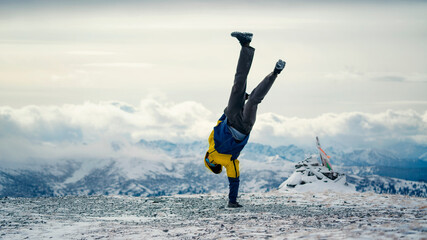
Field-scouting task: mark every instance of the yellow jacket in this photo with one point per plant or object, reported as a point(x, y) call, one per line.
point(224, 149)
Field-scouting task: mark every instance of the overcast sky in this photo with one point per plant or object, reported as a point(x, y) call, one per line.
point(342, 56)
point(350, 64)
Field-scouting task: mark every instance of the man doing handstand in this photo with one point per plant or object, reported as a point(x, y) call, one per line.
point(231, 133)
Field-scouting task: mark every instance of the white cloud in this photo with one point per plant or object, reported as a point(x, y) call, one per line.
point(346, 129)
point(90, 130)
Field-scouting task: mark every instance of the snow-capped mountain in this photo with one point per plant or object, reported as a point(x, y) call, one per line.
point(178, 169)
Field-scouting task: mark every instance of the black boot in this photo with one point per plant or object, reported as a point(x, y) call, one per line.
point(244, 37)
point(280, 65)
point(234, 205)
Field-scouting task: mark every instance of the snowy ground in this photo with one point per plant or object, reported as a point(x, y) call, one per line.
point(265, 215)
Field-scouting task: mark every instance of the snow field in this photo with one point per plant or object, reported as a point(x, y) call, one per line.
point(274, 215)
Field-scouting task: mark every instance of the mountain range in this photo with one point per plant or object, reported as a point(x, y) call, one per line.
point(181, 171)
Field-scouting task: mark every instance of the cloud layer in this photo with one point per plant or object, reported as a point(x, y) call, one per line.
point(352, 129)
point(99, 130)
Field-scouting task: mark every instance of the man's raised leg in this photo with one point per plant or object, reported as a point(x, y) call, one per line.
point(238, 91)
point(257, 95)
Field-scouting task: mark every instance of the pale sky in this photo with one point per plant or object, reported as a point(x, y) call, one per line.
point(342, 56)
point(78, 76)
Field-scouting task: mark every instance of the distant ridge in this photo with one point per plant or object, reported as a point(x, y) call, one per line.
point(264, 168)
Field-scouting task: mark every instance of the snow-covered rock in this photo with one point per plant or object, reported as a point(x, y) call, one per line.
point(310, 176)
